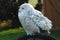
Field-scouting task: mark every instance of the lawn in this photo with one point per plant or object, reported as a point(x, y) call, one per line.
point(13, 34)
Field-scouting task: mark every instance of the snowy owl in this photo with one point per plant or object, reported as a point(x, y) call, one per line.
point(32, 20)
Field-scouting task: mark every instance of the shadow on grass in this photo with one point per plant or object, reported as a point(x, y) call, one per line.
point(56, 34)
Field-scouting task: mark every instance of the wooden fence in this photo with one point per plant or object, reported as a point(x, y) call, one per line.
point(52, 11)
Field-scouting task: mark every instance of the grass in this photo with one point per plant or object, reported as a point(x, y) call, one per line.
point(56, 34)
point(13, 34)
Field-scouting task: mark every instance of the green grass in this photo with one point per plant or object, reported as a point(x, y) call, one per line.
point(13, 34)
point(56, 34)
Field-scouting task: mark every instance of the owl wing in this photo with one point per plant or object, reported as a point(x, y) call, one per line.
point(29, 26)
point(41, 21)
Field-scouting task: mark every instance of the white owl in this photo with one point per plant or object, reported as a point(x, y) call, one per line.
point(32, 19)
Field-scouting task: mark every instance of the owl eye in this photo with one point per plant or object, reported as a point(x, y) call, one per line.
point(22, 8)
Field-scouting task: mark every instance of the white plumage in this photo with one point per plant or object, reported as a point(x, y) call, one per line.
point(32, 19)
